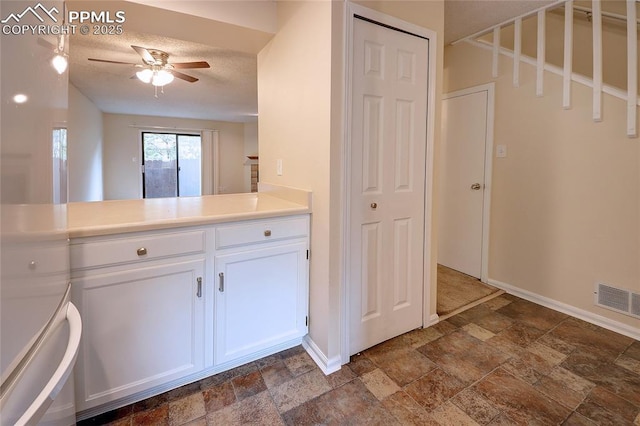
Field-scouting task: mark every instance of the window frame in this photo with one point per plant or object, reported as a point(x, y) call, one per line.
point(177, 135)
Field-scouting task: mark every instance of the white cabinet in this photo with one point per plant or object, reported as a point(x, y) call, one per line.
point(164, 308)
point(261, 272)
point(144, 323)
point(261, 299)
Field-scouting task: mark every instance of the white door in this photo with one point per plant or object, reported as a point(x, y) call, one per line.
point(462, 181)
point(387, 176)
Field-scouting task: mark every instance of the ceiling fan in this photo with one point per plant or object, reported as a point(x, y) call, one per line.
point(156, 68)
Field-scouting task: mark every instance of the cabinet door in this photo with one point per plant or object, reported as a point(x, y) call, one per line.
point(141, 328)
point(261, 299)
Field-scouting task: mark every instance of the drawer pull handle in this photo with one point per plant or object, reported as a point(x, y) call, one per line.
point(199, 292)
point(141, 251)
point(267, 233)
point(221, 286)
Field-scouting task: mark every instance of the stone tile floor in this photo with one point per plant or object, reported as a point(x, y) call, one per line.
point(458, 291)
point(504, 362)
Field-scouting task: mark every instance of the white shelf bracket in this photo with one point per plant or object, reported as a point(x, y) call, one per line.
point(517, 50)
point(540, 57)
point(597, 59)
point(567, 70)
point(632, 69)
point(496, 52)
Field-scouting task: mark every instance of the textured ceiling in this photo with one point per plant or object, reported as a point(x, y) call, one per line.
point(228, 90)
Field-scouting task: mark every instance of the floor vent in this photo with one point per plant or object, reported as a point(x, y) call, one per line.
point(618, 299)
point(635, 304)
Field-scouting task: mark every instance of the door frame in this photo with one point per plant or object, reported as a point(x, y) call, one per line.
point(488, 166)
point(353, 10)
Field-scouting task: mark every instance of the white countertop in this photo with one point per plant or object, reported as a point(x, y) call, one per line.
point(26, 223)
point(111, 217)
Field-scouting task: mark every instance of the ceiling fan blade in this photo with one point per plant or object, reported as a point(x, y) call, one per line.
point(146, 56)
point(186, 65)
point(184, 77)
point(111, 62)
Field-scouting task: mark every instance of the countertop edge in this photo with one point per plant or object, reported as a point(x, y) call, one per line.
point(201, 215)
point(96, 231)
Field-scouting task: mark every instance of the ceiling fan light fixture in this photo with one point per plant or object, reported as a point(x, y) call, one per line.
point(60, 63)
point(145, 75)
point(156, 69)
point(161, 78)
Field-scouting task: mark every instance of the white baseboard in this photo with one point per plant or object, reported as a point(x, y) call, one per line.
point(433, 319)
point(327, 365)
point(582, 314)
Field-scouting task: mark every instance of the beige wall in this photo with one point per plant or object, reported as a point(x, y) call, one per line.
point(84, 148)
point(255, 14)
point(192, 24)
point(122, 150)
point(294, 106)
point(301, 102)
point(565, 208)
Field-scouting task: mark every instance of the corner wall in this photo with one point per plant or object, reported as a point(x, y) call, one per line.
point(84, 148)
point(294, 105)
point(565, 208)
point(301, 109)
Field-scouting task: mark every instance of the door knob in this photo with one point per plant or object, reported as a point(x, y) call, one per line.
point(476, 186)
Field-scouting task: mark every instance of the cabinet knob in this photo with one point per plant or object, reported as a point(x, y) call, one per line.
point(374, 205)
point(141, 251)
point(267, 233)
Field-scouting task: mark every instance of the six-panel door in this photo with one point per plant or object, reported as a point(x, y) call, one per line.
point(387, 184)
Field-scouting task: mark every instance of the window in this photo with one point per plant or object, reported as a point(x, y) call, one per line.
point(59, 178)
point(171, 165)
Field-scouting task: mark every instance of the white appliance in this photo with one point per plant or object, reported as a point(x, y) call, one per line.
point(39, 328)
point(40, 336)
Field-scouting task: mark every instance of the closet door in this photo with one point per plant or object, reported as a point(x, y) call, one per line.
point(388, 158)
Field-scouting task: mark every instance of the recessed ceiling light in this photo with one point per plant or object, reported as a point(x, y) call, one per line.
point(20, 98)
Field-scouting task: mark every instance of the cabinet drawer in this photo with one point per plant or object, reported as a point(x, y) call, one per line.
point(90, 254)
point(34, 260)
point(263, 231)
